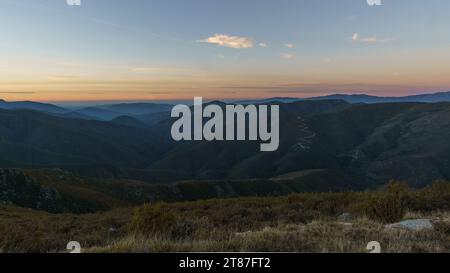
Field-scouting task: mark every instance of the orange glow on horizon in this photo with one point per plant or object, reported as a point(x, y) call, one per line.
point(223, 86)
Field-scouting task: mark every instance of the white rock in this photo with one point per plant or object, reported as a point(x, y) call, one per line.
point(345, 218)
point(414, 225)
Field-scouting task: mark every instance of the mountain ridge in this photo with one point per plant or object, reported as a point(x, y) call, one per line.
point(145, 108)
point(378, 142)
point(358, 98)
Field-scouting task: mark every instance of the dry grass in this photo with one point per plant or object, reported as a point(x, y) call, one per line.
point(295, 223)
point(25, 230)
point(317, 236)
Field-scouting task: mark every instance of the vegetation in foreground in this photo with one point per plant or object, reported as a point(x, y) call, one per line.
point(299, 222)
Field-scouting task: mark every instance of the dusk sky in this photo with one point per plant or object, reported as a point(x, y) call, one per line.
point(130, 50)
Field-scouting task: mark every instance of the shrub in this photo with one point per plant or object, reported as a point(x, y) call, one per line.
point(388, 206)
point(186, 228)
point(433, 197)
point(155, 219)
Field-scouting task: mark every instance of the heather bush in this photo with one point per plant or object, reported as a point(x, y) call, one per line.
point(431, 198)
point(387, 206)
point(153, 219)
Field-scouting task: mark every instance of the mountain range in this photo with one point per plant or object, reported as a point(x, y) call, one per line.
point(368, 144)
point(140, 111)
point(149, 113)
point(361, 98)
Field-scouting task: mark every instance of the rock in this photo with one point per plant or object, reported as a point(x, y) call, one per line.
point(345, 218)
point(414, 225)
point(112, 229)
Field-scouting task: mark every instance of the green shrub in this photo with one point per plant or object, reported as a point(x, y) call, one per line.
point(155, 219)
point(387, 206)
point(433, 197)
point(192, 228)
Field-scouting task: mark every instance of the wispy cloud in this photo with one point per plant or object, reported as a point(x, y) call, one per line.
point(290, 45)
point(287, 56)
point(367, 40)
point(263, 45)
point(229, 41)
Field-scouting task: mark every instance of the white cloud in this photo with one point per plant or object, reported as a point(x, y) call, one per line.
point(287, 56)
point(290, 45)
point(367, 40)
point(229, 41)
point(263, 45)
point(370, 40)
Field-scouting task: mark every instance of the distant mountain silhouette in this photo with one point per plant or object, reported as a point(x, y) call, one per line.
point(425, 98)
point(151, 113)
point(29, 105)
point(360, 98)
point(134, 109)
point(112, 111)
point(98, 113)
point(370, 143)
point(107, 112)
point(269, 100)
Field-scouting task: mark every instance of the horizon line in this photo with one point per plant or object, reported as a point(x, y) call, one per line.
point(174, 100)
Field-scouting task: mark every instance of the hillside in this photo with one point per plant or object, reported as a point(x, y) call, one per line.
point(34, 138)
point(371, 143)
point(140, 111)
point(406, 141)
point(58, 191)
point(308, 222)
point(19, 189)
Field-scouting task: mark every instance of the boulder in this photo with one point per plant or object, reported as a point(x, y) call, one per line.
point(345, 218)
point(414, 225)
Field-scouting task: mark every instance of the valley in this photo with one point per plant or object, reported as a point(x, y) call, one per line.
point(371, 142)
point(106, 183)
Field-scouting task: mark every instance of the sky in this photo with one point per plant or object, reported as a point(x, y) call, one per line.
point(129, 50)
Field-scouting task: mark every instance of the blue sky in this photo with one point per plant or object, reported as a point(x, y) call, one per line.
point(169, 49)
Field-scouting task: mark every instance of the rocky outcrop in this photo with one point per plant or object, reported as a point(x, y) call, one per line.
point(18, 189)
point(413, 225)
